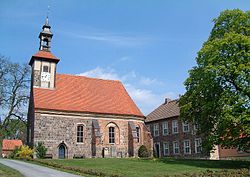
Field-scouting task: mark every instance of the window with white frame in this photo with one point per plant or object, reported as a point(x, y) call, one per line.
point(187, 148)
point(198, 146)
point(165, 148)
point(176, 147)
point(196, 126)
point(79, 133)
point(156, 129)
point(165, 128)
point(185, 126)
point(175, 126)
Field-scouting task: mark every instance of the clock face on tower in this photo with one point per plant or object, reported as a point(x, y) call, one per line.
point(45, 76)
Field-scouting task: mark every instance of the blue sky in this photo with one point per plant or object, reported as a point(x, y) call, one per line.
point(147, 44)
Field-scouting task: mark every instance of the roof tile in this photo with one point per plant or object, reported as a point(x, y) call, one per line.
point(44, 55)
point(84, 94)
point(11, 144)
point(166, 110)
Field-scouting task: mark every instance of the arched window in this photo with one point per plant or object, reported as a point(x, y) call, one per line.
point(138, 134)
point(111, 135)
point(79, 133)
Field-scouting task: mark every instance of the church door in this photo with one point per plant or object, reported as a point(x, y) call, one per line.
point(61, 152)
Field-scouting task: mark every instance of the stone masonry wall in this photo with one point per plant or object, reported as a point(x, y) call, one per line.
point(54, 130)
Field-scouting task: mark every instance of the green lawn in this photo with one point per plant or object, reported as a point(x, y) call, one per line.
point(8, 172)
point(146, 168)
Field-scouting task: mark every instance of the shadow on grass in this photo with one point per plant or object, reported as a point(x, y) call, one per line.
point(223, 164)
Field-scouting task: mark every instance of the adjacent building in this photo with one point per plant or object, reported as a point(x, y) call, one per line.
point(171, 136)
point(175, 138)
point(77, 116)
point(9, 145)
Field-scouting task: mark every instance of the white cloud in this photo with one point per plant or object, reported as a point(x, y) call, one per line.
point(101, 73)
point(125, 58)
point(149, 81)
point(145, 99)
point(111, 38)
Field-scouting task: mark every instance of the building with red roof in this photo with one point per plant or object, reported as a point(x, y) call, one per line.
point(77, 116)
point(9, 145)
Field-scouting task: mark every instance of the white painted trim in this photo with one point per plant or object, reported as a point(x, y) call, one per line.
point(190, 150)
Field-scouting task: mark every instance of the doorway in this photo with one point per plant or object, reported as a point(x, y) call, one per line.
point(157, 149)
point(62, 151)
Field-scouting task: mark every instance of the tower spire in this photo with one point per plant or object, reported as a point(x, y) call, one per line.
point(46, 35)
point(47, 21)
point(47, 17)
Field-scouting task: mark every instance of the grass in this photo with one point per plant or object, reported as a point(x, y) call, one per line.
point(145, 168)
point(8, 172)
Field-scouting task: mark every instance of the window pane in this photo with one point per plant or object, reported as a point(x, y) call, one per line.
point(111, 135)
point(79, 133)
point(45, 69)
point(138, 134)
point(175, 126)
point(165, 128)
point(166, 148)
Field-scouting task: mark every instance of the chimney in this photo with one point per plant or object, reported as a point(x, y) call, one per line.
point(167, 100)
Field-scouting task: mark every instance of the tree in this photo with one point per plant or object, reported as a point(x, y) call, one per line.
point(217, 89)
point(14, 95)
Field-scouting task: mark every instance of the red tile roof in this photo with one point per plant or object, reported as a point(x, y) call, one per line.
point(166, 110)
point(11, 144)
point(88, 95)
point(44, 55)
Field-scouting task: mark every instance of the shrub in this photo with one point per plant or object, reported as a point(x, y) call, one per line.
point(41, 150)
point(13, 154)
point(25, 153)
point(143, 152)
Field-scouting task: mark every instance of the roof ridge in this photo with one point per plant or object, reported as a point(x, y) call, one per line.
point(87, 77)
point(175, 100)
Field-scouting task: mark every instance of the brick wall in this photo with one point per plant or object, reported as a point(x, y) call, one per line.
point(231, 152)
point(172, 137)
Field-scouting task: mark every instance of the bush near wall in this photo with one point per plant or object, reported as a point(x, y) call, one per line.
point(143, 152)
point(41, 150)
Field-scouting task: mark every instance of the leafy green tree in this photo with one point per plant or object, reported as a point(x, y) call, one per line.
point(217, 89)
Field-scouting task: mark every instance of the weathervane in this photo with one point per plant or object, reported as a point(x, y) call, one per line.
point(48, 10)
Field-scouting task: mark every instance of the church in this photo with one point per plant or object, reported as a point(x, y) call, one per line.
point(76, 116)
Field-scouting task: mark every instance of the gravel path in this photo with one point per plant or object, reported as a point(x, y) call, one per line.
point(32, 170)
